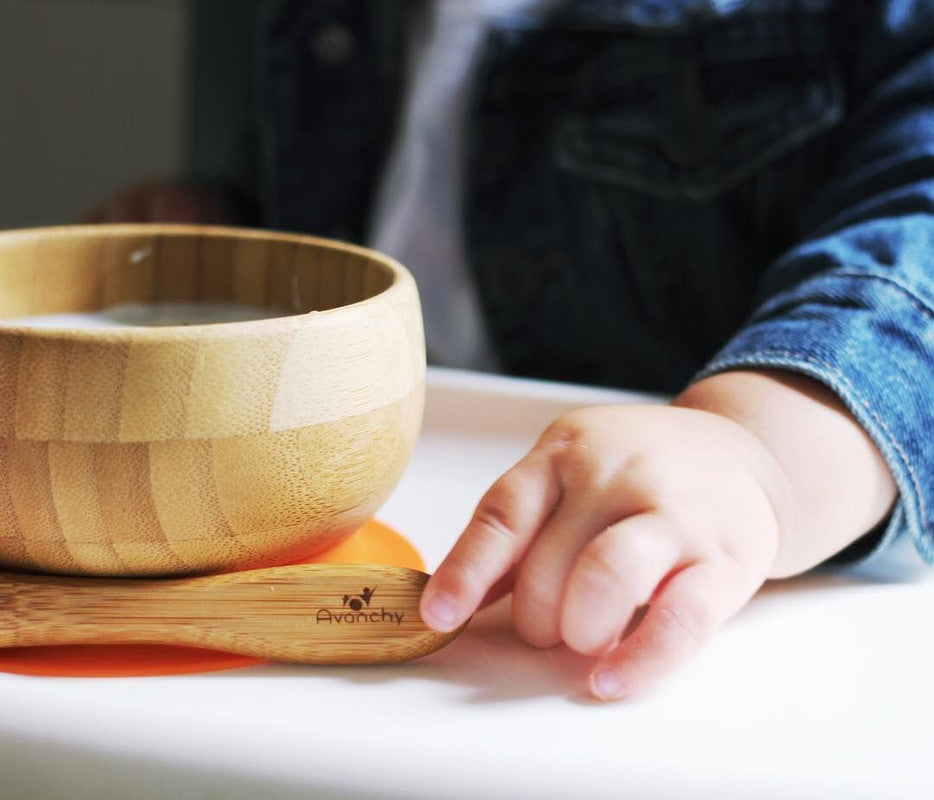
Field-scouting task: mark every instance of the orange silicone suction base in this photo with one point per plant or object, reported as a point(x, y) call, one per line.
point(374, 543)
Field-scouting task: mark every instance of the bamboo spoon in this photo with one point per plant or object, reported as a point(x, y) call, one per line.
point(307, 613)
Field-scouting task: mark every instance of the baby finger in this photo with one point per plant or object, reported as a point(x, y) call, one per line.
point(614, 575)
point(691, 605)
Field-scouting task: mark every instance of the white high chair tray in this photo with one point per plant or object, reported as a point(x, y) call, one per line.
point(821, 687)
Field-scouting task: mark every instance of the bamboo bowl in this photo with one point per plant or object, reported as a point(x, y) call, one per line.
point(175, 450)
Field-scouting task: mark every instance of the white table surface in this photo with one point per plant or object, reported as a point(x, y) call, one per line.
point(822, 687)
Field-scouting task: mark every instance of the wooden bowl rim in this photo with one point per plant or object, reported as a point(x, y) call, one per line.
point(218, 330)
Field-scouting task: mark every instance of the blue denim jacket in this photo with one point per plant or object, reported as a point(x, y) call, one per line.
point(660, 190)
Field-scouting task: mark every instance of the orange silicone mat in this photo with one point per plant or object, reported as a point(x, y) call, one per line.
point(374, 543)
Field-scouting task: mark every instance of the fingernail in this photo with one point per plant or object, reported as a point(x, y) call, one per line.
point(606, 684)
point(442, 612)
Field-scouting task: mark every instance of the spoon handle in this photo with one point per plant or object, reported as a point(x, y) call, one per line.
point(308, 613)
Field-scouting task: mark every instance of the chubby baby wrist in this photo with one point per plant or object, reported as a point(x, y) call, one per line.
point(832, 484)
point(761, 463)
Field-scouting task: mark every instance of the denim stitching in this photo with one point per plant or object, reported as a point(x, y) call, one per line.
point(919, 302)
point(794, 295)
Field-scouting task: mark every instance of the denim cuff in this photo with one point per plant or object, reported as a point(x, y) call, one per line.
point(870, 339)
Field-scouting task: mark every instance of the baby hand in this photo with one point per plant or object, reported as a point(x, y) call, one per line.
point(629, 533)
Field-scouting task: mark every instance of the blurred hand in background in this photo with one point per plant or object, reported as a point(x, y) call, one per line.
point(165, 201)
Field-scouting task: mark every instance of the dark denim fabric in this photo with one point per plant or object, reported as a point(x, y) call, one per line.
point(660, 189)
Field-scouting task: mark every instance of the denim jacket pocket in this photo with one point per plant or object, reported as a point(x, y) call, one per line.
point(690, 121)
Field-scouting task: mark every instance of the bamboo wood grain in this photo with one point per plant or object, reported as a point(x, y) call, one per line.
point(308, 613)
point(206, 448)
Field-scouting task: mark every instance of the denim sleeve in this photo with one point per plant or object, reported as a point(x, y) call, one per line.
point(852, 305)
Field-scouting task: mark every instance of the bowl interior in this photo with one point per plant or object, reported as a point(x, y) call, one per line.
point(87, 269)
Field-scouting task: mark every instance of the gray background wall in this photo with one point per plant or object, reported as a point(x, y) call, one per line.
point(92, 98)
